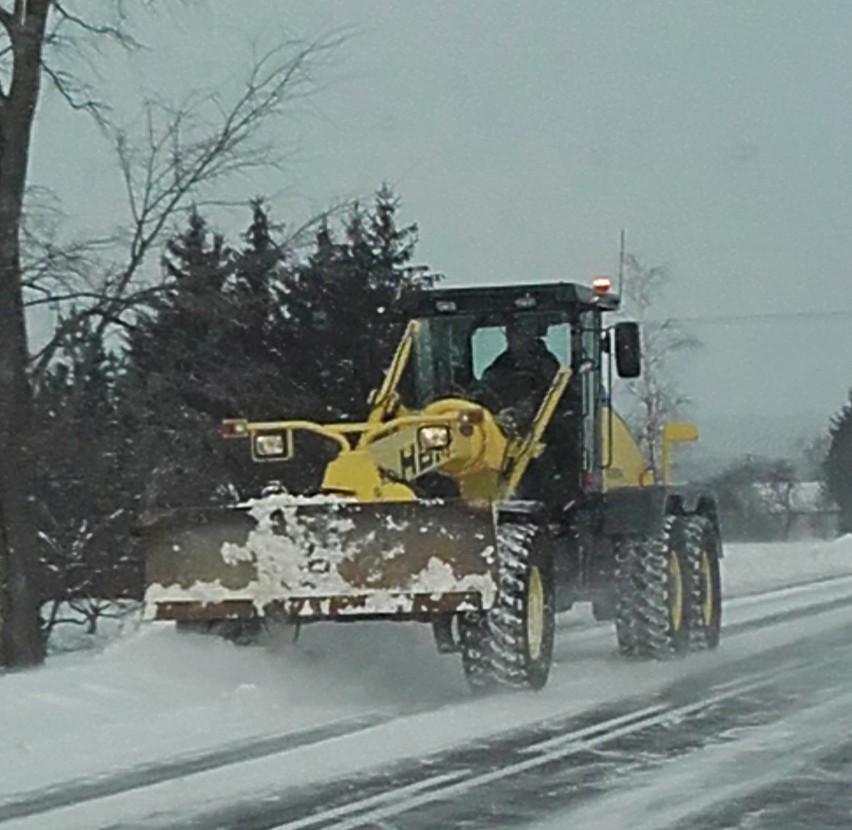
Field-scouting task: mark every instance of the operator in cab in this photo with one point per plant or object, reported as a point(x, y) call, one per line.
point(513, 388)
point(516, 381)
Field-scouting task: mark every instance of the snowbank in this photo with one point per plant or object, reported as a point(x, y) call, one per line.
point(154, 693)
point(747, 568)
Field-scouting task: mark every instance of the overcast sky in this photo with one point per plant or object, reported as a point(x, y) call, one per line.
point(522, 136)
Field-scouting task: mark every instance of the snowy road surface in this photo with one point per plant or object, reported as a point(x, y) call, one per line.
point(367, 726)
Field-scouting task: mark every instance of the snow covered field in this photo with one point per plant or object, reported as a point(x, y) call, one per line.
point(153, 694)
point(762, 567)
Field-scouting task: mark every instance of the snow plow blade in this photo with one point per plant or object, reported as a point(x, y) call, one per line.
point(320, 560)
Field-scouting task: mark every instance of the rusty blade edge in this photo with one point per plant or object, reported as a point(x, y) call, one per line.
point(400, 605)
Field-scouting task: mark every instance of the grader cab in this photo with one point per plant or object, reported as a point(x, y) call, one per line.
point(490, 486)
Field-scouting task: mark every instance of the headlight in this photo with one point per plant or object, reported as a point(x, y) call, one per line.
point(269, 446)
point(433, 438)
point(234, 428)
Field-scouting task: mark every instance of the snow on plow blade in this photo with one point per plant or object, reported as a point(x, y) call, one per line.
point(310, 559)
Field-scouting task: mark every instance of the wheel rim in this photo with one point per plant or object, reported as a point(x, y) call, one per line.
point(675, 592)
point(707, 590)
point(535, 614)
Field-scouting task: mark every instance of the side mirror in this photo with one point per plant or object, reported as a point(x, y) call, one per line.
point(628, 350)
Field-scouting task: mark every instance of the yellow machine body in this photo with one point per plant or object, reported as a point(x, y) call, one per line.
point(367, 545)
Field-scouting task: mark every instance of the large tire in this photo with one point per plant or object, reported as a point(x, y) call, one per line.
point(626, 592)
point(475, 651)
point(652, 593)
point(703, 551)
point(512, 643)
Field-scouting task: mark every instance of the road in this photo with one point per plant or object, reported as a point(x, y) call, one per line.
point(754, 735)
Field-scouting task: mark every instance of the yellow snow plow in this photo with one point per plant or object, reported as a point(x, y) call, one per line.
point(312, 559)
point(488, 474)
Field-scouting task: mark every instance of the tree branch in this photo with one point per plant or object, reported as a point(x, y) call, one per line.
point(114, 32)
point(181, 152)
point(8, 22)
point(75, 93)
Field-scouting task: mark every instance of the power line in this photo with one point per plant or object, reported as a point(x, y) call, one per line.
point(768, 316)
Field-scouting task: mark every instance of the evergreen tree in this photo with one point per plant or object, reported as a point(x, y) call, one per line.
point(216, 345)
point(393, 248)
point(171, 391)
point(345, 302)
point(259, 351)
point(84, 500)
point(183, 332)
point(838, 464)
point(392, 276)
point(245, 333)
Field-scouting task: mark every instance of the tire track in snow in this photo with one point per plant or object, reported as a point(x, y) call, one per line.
point(816, 794)
point(710, 788)
point(146, 775)
point(79, 791)
point(443, 783)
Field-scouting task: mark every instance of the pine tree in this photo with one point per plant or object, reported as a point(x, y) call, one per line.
point(392, 276)
point(183, 332)
point(260, 348)
point(83, 498)
point(838, 464)
point(171, 391)
point(197, 261)
point(218, 344)
point(247, 333)
point(345, 304)
point(319, 328)
point(393, 247)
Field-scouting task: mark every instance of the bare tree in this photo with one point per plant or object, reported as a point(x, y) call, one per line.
point(180, 155)
point(177, 156)
point(757, 497)
point(656, 393)
point(25, 28)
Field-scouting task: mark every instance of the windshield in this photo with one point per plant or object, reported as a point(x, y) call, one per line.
point(452, 354)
